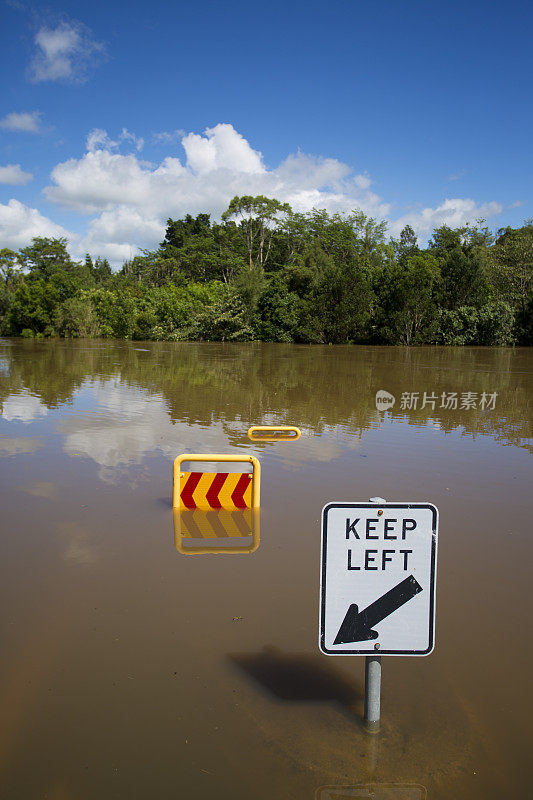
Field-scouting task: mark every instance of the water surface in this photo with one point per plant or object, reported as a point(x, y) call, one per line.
point(131, 669)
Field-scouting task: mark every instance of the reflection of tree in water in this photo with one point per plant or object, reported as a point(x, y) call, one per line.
point(503, 371)
point(51, 370)
point(311, 386)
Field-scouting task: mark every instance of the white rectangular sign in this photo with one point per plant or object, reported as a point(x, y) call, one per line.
point(377, 589)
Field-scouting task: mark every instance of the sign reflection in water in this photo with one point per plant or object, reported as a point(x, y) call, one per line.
point(199, 531)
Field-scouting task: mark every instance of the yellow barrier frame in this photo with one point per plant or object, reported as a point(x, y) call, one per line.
point(272, 428)
point(256, 473)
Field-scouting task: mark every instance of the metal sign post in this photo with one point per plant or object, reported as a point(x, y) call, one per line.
point(377, 592)
point(372, 692)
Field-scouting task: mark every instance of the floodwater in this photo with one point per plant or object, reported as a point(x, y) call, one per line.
point(132, 668)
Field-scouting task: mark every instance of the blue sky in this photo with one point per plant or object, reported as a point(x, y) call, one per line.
point(114, 117)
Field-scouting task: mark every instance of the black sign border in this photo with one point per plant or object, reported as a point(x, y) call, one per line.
point(380, 652)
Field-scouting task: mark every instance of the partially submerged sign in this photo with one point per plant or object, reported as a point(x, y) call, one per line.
point(274, 433)
point(216, 490)
point(377, 593)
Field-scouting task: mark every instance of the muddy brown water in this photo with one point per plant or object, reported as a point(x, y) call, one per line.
point(132, 670)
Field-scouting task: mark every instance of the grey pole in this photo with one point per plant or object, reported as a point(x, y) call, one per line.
point(373, 679)
point(372, 692)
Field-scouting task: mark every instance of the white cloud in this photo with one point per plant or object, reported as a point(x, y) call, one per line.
point(454, 212)
point(64, 53)
point(118, 234)
point(14, 175)
point(134, 198)
point(166, 137)
point(138, 141)
point(20, 223)
point(218, 165)
point(308, 172)
point(221, 148)
point(22, 122)
point(130, 199)
point(99, 140)
point(102, 179)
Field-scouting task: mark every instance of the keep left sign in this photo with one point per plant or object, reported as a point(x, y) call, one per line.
point(378, 578)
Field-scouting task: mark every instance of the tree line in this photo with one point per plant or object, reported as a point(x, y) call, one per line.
point(268, 273)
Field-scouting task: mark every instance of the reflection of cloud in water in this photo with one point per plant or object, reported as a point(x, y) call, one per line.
point(19, 445)
point(40, 489)
point(127, 426)
point(332, 441)
point(331, 444)
point(23, 407)
point(77, 547)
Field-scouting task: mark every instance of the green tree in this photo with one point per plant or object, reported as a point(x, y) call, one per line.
point(406, 245)
point(179, 232)
point(407, 306)
point(102, 271)
point(8, 265)
point(258, 218)
point(491, 325)
point(462, 255)
point(278, 309)
point(225, 320)
point(44, 257)
point(33, 307)
point(343, 301)
point(76, 317)
point(10, 276)
point(512, 262)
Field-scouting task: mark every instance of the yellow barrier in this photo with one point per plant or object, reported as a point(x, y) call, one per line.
point(287, 433)
point(215, 490)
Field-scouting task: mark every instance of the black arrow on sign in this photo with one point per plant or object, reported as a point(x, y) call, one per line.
point(357, 627)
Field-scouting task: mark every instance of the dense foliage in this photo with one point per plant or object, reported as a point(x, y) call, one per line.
point(268, 273)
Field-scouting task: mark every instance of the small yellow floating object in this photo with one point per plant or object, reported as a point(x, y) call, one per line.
point(274, 433)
